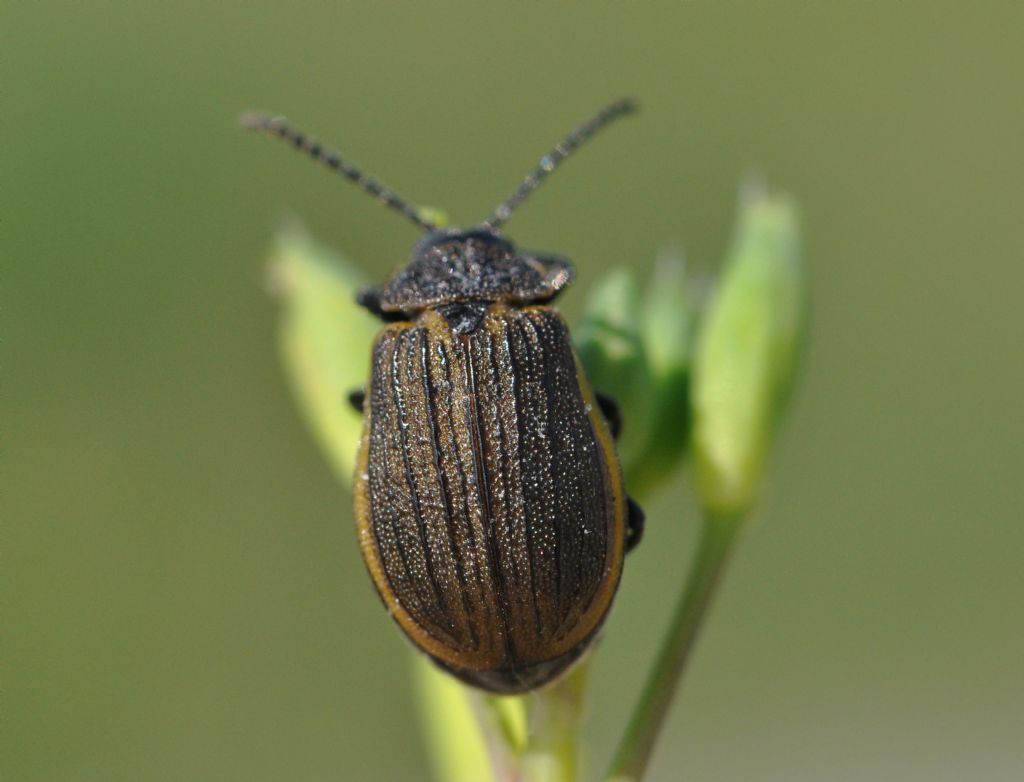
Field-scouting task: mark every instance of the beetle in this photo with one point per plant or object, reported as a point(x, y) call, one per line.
point(489, 499)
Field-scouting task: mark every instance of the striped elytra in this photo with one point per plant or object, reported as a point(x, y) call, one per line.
point(489, 501)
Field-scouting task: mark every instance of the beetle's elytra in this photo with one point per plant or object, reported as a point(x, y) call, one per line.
point(489, 499)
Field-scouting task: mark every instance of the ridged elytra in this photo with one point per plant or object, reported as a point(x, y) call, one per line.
point(489, 500)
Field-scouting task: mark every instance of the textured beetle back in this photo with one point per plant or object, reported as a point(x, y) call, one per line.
point(491, 503)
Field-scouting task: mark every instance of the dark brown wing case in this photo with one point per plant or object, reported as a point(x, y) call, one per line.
point(490, 503)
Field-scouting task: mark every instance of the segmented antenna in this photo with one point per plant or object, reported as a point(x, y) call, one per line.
point(278, 126)
point(551, 161)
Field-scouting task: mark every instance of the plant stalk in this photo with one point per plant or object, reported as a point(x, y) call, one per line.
point(497, 740)
point(717, 537)
point(553, 747)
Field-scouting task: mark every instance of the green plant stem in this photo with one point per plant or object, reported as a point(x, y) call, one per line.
point(553, 747)
point(634, 752)
point(503, 756)
point(508, 713)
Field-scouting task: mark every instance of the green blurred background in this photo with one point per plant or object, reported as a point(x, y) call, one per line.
point(183, 598)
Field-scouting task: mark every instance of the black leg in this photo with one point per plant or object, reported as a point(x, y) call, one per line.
point(357, 398)
point(610, 411)
point(634, 524)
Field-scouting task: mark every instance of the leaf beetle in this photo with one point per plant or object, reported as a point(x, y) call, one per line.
point(489, 500)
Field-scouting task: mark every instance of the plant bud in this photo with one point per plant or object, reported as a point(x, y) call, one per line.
point(325, 339)
point(747, 353)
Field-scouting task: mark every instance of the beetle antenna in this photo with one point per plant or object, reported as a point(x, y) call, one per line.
point(278, 126)
point(552, 159)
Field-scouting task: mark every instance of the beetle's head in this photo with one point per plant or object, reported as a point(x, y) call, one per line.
point(456, 265)
point(453, 266)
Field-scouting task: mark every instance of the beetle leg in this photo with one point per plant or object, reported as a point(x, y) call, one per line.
point(357, 398)
point(634, 524)
point(610, 411)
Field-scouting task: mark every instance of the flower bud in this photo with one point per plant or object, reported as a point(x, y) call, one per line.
point(747, 353)
point(666, 328)
point(635, 348)
point(325, 339)
point(610, 346)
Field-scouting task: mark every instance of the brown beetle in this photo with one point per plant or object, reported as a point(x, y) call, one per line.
point(489, 499)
